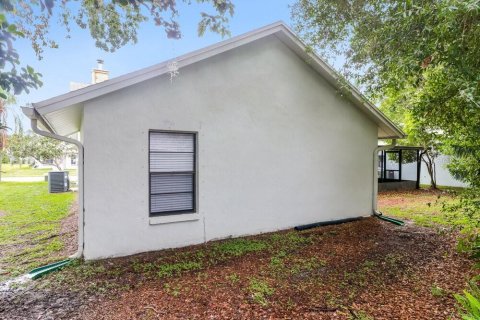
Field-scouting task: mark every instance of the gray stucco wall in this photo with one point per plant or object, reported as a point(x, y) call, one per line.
point(277, 147)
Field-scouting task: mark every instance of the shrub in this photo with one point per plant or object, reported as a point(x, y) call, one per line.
point(469, 302)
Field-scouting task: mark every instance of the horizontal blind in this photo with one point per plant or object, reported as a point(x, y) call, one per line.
point(171, 202)
point(171, 142)
point(171, 162)
point(168, 183)
point(172, 172)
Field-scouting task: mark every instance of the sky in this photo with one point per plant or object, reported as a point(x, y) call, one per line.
point(76, 57)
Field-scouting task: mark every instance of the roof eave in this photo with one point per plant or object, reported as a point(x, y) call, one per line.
point(282, 31)
point(31, 112)
point(159, 69)
point(340, 83)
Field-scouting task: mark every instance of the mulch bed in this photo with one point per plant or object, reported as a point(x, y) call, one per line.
point(371, 268)
point(368, 267)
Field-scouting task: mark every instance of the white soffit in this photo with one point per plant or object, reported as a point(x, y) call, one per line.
point(65, 121)
point(63, 113)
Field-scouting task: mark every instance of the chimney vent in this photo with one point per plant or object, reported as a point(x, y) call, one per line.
point(100, 64)
point(99, 74)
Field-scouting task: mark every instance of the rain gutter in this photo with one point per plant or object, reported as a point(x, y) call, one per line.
point(375, 174)
point(34, 117)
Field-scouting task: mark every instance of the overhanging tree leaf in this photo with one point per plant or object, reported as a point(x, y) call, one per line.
point(111, 23)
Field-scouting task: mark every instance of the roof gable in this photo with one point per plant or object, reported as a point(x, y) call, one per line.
point(53, 111)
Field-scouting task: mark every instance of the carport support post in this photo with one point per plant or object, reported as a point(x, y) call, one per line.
point(384, 159)
point(419, 167)
point(380, 162)
point(400, 165)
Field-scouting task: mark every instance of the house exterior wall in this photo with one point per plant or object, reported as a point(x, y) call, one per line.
point(277, 147)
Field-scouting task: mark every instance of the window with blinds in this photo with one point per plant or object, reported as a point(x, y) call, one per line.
point(172, 172)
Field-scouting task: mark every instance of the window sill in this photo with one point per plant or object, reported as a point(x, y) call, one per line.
point(174, 218)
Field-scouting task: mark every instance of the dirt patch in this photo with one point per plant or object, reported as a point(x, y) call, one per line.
point(2, 213)
point(41, 304)
point(369, 267)
point(69, 231)
point(399, 198)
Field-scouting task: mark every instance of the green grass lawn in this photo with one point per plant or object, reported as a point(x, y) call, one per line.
point(423, 207)
point(30, 221)
point(26, 170)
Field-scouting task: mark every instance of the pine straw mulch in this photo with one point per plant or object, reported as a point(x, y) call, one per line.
point(349, 271)
point(369, 269)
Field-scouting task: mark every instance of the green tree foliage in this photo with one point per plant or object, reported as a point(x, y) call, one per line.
point(111, 23)
point(424, 55)
point(23, 146)
point(13, 78)
point(419, 133)
point(18, 146)
point(427, 138)
point(4, 102)
point(43, 148)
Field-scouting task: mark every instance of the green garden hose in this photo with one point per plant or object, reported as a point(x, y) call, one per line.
point(41, 271)
point(389, 219)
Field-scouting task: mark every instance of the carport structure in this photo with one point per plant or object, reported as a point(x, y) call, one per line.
point(391, 168)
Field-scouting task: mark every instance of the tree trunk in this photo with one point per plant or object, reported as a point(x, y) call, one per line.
point(58, 164)
point(430, 163)
point(434, 175)
point(1, 161)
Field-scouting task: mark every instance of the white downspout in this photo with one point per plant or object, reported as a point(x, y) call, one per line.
point(32, 114)
point(375, 174)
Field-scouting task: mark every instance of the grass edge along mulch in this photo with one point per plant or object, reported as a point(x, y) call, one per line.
point(31, 226)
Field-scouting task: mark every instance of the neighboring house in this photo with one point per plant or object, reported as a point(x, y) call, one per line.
point(251, 136)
